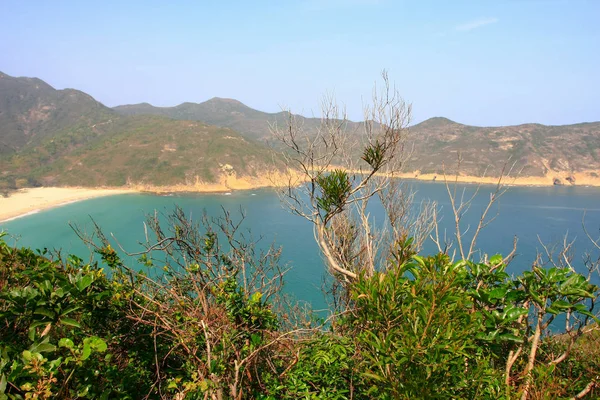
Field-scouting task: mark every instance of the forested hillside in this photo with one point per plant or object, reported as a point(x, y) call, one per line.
point(31, 110)
point(65, 137)
point(535, 149)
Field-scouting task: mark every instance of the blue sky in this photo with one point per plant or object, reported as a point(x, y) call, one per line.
point(477, 62)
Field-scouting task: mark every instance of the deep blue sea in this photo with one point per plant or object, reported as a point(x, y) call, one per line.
point(549, 213)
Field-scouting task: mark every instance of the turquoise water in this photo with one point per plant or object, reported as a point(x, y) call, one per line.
point(524, 212)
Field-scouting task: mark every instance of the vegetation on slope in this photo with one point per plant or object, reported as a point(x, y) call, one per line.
point(221, 112)
point(67, 138)
point(200, 315)
point(31, 111)
point(144, 150)
point(534, 148)
point(46, 135)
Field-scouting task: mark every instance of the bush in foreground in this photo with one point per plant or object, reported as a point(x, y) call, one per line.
point(201, 316)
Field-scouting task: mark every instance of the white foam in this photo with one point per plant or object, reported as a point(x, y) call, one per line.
point(22, 215)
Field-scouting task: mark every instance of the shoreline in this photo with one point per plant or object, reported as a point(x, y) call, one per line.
point(580, 179)
point(30, 201)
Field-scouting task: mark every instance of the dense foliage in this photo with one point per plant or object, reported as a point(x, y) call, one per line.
point(211, 325)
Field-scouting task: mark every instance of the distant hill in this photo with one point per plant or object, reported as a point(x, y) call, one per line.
point(536, 149)
point(31, 110)
point(65, 137)
point(227, 113)
point(144, 150)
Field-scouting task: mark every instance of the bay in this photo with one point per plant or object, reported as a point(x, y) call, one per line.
point(530, 213)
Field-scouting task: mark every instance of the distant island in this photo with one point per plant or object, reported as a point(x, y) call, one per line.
point(65, 138)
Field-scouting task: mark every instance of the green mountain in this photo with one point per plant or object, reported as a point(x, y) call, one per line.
point(227, 113)
point(31, 110)
point(535, 149)
point(65, 137)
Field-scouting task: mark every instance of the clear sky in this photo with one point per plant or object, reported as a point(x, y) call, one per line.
point(477, 62)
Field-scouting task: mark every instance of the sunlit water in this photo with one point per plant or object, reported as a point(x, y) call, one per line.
point(549, 213)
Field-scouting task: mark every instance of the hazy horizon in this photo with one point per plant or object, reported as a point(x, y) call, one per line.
point(484, 64)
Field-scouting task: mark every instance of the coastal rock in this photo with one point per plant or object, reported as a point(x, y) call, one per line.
point(557, 182)
point(570, 179)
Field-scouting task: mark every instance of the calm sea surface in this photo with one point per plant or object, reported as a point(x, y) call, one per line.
point(525, 212)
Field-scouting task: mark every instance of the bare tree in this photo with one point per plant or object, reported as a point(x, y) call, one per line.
point(202, 281)
point(460, 204)
point(343, 166)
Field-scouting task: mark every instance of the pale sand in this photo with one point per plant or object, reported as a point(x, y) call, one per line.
point(586, 178)
point(29, 201)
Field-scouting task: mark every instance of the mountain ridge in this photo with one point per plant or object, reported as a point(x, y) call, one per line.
point(535, 149)
point(134, 109)
point(220, 111)
point(66, 137)
point(54, 126)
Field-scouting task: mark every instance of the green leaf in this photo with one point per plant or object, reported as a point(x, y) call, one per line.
point(42, 347)
point(589, 314)
point(45, 312)
point(83, 392)
point(255, 298)
point(496, 259)
point(255, 338)
point(66, 342)
point(552, 310)
point(84, 282)
point(510, 337)
point(87, 350)
point(70, 310)
point(497, 293)
point(373, 376)
point(203, 385)
point(70, 322)
point(561, 305)
point(55, 363)
point(172, 385)
point(98, 344)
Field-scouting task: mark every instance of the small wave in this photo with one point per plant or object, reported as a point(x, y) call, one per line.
point(551, 207)
point(22, 215)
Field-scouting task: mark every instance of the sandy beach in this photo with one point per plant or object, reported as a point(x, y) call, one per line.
point(586, 178)
point(29, 201)
point(590, 178)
